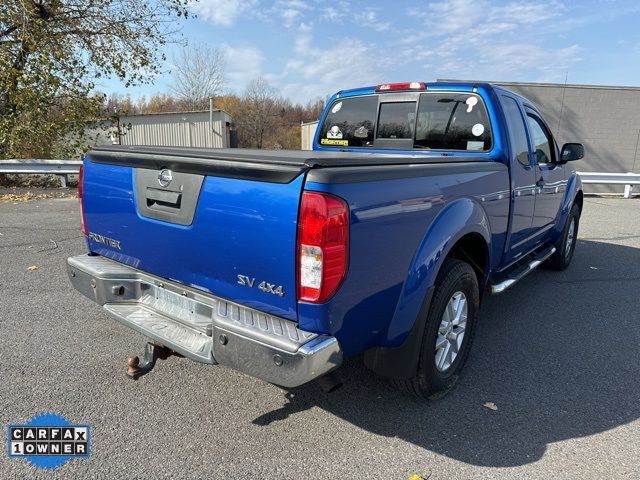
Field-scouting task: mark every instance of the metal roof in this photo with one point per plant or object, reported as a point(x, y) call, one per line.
point(552, 85)
point(173, 113)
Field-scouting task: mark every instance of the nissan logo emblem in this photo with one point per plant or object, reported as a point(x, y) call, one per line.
point(165, 177)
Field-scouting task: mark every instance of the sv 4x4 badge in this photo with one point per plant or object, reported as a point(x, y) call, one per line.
point(264, 286)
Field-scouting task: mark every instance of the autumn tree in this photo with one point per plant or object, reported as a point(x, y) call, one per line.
point(264, 119)
point(198, 75)
point(53, 51)
point(120, 105)
point(230, 103)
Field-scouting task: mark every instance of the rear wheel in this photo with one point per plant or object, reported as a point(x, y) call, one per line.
point(566, 244)
point(449, 331)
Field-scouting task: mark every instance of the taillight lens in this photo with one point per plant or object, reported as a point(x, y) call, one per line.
point(323, 246)
point(81, 199)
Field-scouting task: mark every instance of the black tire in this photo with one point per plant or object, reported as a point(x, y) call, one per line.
point(431, 382)
point(564, 249)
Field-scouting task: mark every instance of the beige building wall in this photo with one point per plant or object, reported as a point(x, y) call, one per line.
point(308, 131)
point(186, 129)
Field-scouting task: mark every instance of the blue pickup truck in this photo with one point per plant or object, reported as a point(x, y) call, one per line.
point(417, 200)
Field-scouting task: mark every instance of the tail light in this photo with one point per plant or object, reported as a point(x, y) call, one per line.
point(83, 223)
point(390, 87)
point(323, 246)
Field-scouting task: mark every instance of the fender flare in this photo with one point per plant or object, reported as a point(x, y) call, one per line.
point(461, 217)
point(574, 186)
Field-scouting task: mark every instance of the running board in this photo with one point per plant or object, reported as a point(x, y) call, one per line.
point(522, 271)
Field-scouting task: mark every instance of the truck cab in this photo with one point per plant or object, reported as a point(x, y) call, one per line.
point(474, 119)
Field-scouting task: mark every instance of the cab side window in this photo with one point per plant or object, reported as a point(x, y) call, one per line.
point(541, 139)
point(517, 130)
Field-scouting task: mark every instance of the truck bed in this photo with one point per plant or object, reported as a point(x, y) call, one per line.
point(226, 222)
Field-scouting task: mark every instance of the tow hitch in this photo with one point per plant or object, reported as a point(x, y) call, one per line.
point(152, 351)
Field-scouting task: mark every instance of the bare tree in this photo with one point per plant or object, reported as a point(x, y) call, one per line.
point(262, 106)
point(198, 75)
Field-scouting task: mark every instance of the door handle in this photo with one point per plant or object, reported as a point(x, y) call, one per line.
point(162, 199)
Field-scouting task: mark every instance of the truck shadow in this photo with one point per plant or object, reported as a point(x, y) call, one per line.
point(558, 354)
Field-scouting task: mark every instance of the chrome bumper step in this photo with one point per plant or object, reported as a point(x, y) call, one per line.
point(204, 327)
point(178, 337)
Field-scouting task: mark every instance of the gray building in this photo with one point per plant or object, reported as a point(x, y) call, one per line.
point(210, 129)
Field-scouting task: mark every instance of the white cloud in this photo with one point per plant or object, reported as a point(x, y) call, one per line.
point(513, 60)
point(243, 64)
point(336, 11)
point(291, 11)
point(451, 15)
point(369, 18)
point(289, 15)
point(481, 40)
point(222, 12)
point(450, 38)
point(527, 12)
point(315, 70)
point(472, 16)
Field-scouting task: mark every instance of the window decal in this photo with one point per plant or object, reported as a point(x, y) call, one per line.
point(334, 142)
point(334, 132)
point(477, 129)
point(471, 102)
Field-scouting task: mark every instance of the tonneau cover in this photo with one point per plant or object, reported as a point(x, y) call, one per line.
point(278, 166)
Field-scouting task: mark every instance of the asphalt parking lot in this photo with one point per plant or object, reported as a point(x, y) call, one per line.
point(558, 354)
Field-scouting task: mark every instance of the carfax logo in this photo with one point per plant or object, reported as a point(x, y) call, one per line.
point(49, 441)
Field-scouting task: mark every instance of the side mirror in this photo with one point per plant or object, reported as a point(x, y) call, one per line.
point(571, 151)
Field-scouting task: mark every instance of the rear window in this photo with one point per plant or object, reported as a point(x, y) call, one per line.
point(452, 121)
point(396, 120)
point(350, 122)
point(441, 121)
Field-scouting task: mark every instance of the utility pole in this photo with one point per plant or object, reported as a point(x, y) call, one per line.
point(211, 120)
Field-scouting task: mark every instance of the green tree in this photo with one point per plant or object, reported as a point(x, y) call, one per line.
point(52, 52)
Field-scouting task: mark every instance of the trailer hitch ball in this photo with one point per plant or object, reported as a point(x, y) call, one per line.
point(136, 368)
point(132, 365)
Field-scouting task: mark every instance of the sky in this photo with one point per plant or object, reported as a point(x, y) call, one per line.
point(311, 49)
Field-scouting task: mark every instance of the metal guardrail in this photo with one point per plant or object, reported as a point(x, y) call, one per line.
point(626, 179)
point(70, 167)
point(61, 168)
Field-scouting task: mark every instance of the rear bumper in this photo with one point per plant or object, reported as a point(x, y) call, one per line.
point(204, 327)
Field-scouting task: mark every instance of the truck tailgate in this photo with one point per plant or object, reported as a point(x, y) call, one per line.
point(233, 237)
